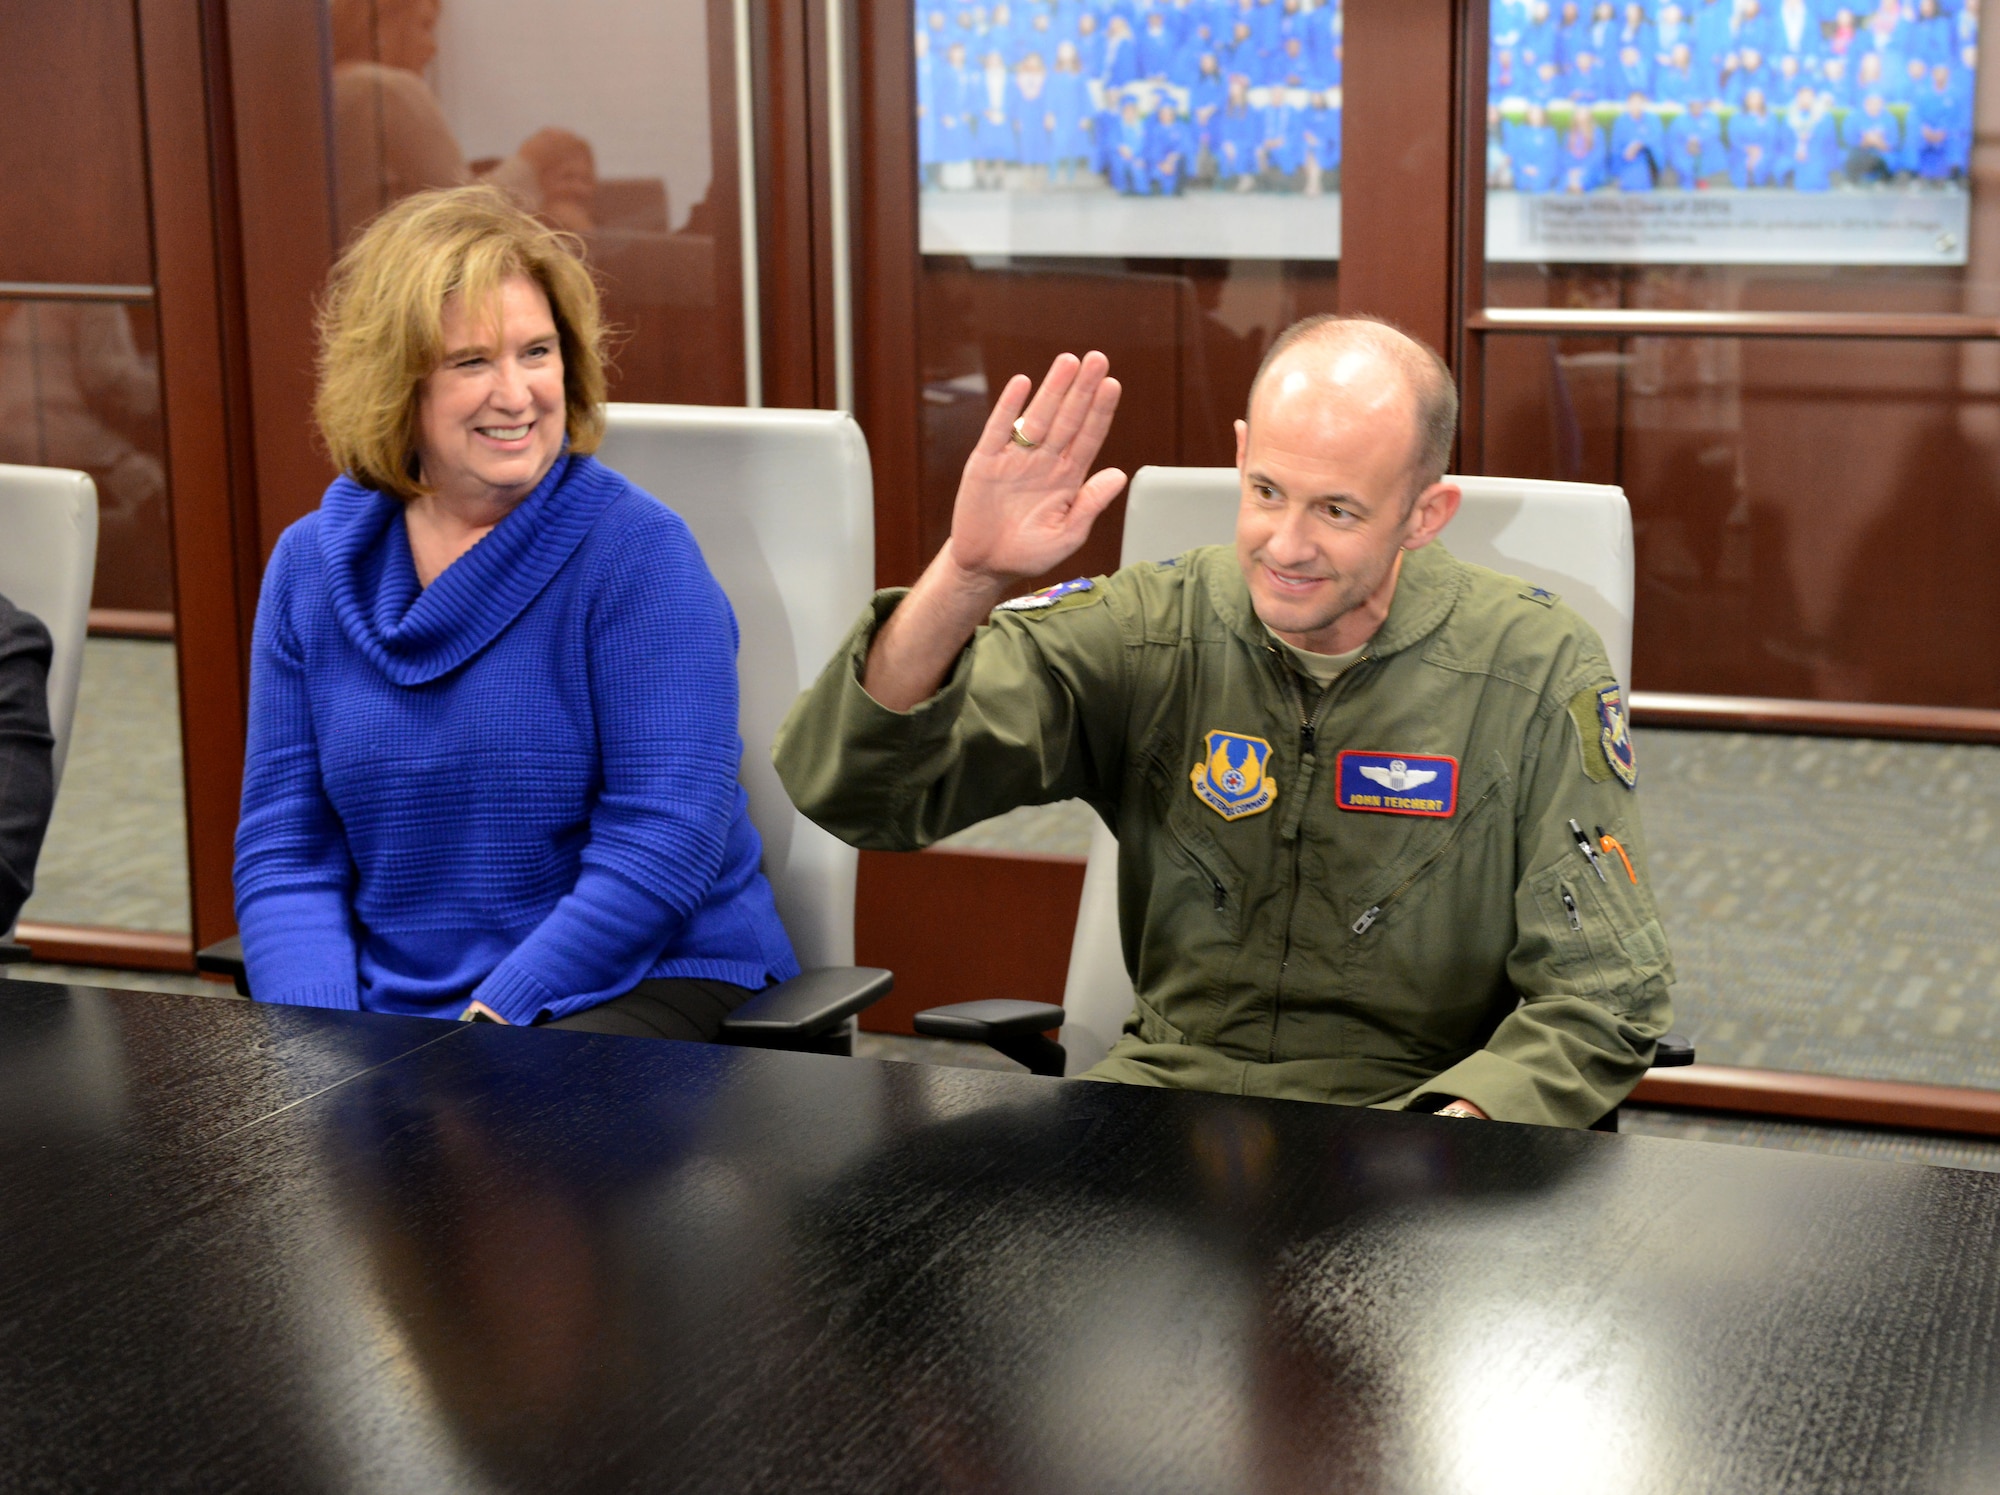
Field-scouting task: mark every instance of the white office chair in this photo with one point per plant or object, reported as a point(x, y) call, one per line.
point(1573, 538)
point(783, 507)
point(48, 561)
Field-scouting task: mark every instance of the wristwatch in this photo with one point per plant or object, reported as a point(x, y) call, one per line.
point(1455, 1112)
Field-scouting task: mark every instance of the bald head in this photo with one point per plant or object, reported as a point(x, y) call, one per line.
point(1367, 369)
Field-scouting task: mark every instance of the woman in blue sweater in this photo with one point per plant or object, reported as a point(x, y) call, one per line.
point(493, 747)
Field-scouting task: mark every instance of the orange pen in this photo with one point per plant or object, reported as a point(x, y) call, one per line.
point(1610, 843)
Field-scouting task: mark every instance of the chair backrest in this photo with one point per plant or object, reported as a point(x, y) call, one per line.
point(48, 561)
point(1573, 538)
point(782, 505)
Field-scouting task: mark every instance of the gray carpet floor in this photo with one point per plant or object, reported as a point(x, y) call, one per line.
point(116, 852)
point(1833, 904)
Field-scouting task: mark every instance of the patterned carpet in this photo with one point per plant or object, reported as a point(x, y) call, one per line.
point(1833, 905)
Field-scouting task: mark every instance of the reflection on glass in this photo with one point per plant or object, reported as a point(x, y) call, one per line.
point(1815, 519)
point(1104, 127)
point(595, 115)
point(1731, 131)
point(79, 388)
point(390, 134)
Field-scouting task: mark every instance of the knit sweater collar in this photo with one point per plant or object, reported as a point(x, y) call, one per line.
point(416, 634)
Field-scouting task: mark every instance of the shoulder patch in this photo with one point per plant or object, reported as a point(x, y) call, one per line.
point(1604, 735)
point(1542, 595)
point(1047, 597)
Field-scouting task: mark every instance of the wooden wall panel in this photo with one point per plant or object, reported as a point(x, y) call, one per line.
point(797, 326)
point(1396, 188)
point(284, 200)
point(960, 926)
point(72, 148)
point(886, 287)
point(190, 150)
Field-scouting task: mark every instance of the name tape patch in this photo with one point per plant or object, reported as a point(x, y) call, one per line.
point(1396, 783)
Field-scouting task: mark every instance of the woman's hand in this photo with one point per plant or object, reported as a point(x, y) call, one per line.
point(1023, 510)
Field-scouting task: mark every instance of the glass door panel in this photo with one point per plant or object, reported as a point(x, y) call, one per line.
point(80, 388)
point(1815, 518)
point(1805, 502)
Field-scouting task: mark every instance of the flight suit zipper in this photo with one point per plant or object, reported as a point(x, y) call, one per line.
point(1309, 722)
point(1367, 920)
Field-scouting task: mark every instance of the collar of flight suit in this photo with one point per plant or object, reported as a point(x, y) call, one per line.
point(1429, 587)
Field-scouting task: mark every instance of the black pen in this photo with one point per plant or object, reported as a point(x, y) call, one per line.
point(1589, 852)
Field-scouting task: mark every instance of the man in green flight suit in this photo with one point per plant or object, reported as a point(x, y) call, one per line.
point(1347, 771)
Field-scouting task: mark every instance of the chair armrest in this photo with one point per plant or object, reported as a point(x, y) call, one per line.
point(993, 1018)
point(1672, 1051)
point(1013, 1028)
point(225, 958)
point(809, 1004)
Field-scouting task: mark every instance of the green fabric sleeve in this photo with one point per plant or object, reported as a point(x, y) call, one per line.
point(1593, 997)
point(1032, 712)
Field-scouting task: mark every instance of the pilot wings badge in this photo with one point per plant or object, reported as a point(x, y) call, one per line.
point(1396, 783)
point(1616, 736)
point(1398, 776)
point(1234, 779)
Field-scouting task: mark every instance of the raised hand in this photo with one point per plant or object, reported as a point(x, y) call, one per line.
point(1025, 506)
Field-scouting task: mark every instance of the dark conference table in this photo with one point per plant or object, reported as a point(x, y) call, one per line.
point(253, 1248)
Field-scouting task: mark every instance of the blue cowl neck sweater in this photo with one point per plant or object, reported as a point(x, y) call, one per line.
point(517, 784)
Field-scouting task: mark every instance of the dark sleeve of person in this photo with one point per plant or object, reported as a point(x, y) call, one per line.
point(27, 755)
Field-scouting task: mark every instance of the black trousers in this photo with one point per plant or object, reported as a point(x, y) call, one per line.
point(682, 1007)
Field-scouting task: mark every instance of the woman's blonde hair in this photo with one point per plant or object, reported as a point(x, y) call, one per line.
point(381, 325)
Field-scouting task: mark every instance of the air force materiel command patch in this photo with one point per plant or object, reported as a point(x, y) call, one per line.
point(1046, 597)
point(1616, 736)
point(1235, 780)
point(1396, 783)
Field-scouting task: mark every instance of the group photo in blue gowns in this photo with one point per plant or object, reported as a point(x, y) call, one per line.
point(1794, 95)
point(1141, 98)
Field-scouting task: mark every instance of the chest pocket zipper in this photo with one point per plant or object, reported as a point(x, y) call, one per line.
point(1367, 920)
point(1200, 865)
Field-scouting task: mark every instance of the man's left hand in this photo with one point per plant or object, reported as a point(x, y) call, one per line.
point(1463, 1108)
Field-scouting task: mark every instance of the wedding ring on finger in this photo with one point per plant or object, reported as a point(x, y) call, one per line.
point(1021, 440)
